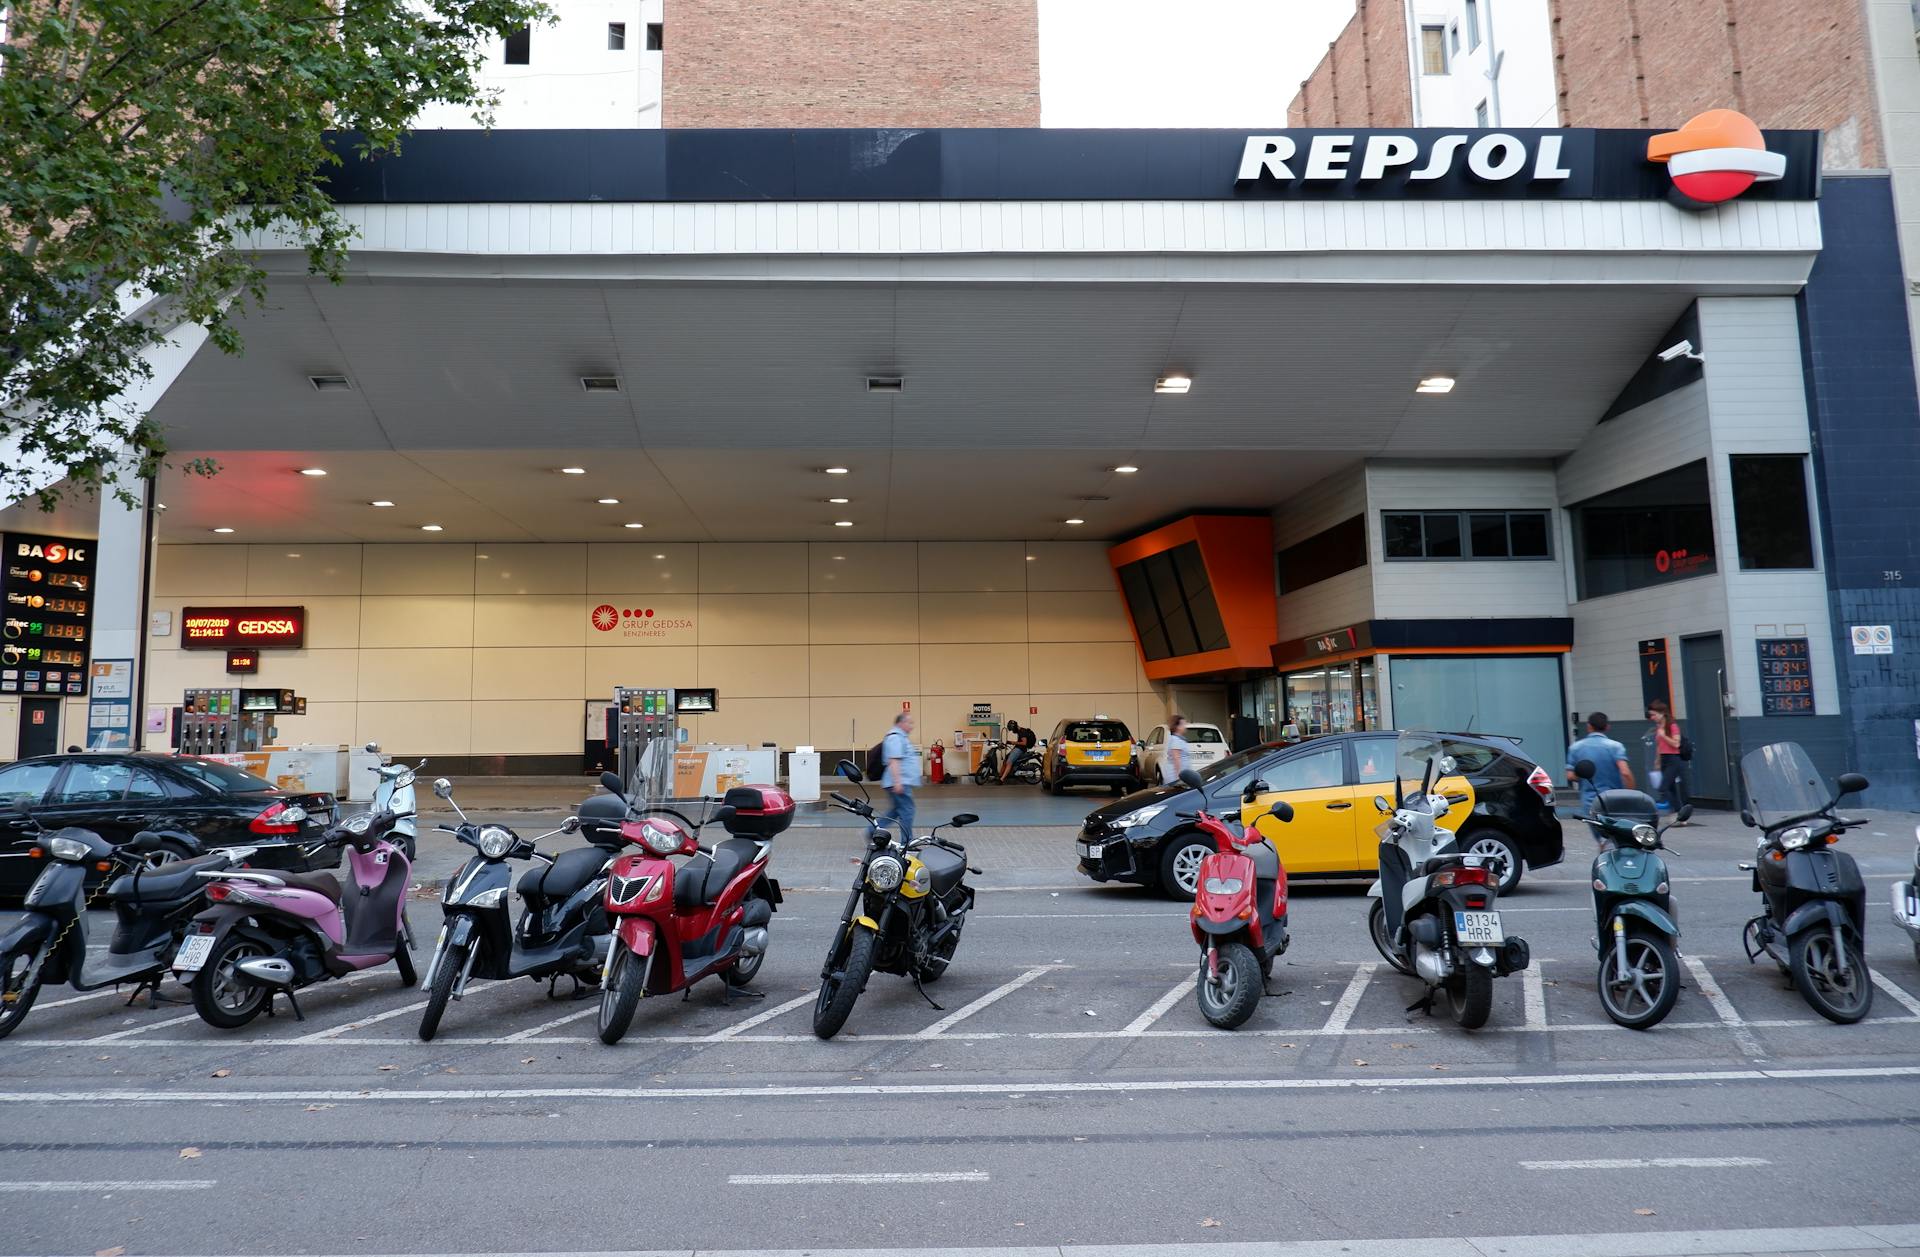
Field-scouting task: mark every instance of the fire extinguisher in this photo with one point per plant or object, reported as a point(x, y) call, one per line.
point(938, 758)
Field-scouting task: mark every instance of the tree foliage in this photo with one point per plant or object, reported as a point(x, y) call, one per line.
point(141, 141)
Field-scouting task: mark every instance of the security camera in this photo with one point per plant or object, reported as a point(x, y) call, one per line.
point(1683, 349)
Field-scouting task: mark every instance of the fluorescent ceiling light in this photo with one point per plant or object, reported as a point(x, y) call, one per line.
point(843, 523)
point(1076, 522)
point(1175, 383)
point(633, 525)
point(429, 528)
point(379, 502)
point(313, 471)
point(573, 471)
point(835, 471)
point(223, 531)
point(293, 554)
point(838, 501)
point(1435, 384)
point(659, 556)
point(608, 501)
point(1126, 469)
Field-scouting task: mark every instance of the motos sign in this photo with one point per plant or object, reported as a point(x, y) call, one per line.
point(220, 628)
point(1328, 157)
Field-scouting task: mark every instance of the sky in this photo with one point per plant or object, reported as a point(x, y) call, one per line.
point(1179, 63)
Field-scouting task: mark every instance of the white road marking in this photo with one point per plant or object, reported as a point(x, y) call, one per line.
point(1650, 1163)
point(1723, 1008)
point(1901, 997)
point(894, 1087)
point(1350, 998)
point(720, 1036)
point(1533, 995)
point(334, 1032)
point(115, 1185)
point(120, 1035)
point(997, 994)
point(856, 1180)
point(1139, 1025)
point(76, 999)
point(521, 1036)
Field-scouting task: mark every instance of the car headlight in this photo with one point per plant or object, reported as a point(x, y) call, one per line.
point(1224, 885)
point(885, 873)
point(1645, 835)
point(357, 824)
point(660, 840)
point(1796, 838)
point(495, 841)
point(489, 898)
point(69, 849)
point(1140, 817)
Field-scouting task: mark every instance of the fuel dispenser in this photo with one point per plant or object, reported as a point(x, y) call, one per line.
point(647, 729)
point(231, 721)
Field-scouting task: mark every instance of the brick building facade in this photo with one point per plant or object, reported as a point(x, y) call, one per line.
point(851, 63)
point(1362, 81)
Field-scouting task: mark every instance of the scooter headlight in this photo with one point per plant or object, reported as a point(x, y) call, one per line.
point(660, 840)
point(495, 841)
point(1645, 835)
point(69, 849)
point(885, 873)
point(489, 898)
point(357, 824)
point(1224, 885)
point(1796, 838)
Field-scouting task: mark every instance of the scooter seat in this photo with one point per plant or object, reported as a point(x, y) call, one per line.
point(700, 880)
point(569, 871)
point(175, 880)
point(319, 883)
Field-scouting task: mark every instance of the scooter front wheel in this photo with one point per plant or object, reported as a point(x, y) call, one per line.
point(17, 993)
point(839, 991)
point(443, 979)
point(1377, 927)
point(1832, 978)
point(621, 996)
point(1646, 995)
point(222, 996)
point(1229, 996)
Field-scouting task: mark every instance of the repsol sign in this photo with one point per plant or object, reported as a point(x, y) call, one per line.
point(1327, 157)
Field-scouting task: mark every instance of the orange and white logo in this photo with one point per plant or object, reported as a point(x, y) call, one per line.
point(1716, 156)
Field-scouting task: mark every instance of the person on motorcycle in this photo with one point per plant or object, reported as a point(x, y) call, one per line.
point(1023, 743)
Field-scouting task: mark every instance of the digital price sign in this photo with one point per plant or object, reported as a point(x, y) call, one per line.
point(46, 593)
point(1786, 676)
point(225, 628)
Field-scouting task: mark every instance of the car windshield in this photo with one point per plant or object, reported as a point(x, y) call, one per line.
point(1202, 733)
point(1097, 731)
point(1783, 785)
point(222, 777)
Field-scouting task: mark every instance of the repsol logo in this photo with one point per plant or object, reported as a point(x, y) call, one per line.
point(1330, 157)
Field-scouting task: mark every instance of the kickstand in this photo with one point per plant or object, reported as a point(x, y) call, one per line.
point(1425, 1003)
point(924, 995)
point(154, 998)
point(291, 1003)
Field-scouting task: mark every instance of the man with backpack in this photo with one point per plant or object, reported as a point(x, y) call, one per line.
point(900, 770)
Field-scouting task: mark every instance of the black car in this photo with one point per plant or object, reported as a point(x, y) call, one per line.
point(1331, 783)
point(199, 803)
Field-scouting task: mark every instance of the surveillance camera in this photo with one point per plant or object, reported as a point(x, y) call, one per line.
point(1683, 349)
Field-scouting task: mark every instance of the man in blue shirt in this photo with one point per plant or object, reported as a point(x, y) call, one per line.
point(1608, 757)
point(903, 770)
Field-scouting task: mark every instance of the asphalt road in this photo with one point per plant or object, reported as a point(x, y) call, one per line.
point(1067, 1093)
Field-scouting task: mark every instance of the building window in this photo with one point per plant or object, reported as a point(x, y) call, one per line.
point(520, 47)
point(1770, 517)
point(1433, 50)
point(616, 36)
point(1466, 535)
point(1473, 24)
point(1453, 38)
point(1170, 598)
point(1480, 114)
point(1327, 553)
point(656, 36)
point(1654, 532)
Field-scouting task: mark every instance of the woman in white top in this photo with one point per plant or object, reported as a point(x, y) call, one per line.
point(1173, 756)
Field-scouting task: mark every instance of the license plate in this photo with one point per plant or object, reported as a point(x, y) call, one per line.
point(1474, 928)
point(1096, 754)
point(192, 953)
point(1092, 850)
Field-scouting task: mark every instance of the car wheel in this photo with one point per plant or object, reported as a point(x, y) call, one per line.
point(1180, 864)
point(1491, 844)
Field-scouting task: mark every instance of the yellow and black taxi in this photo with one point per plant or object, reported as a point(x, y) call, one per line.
point(1090, 751)
point(1330, 781)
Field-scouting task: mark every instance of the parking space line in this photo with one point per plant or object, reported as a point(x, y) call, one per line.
point(1723, 1008)
point(720, 1036)
point(123, 1035)
point(1160, 1006)
point(1650, 1163)
point(1533, 996)
point(1900, 996)
point(994, 996)
point(521, 1036)
point(1350, 998)
point(115, 1185)
point(334, 1032)
point(857, 1180)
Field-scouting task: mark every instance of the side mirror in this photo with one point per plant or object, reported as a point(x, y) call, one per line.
point(1380, 803)
point(1746, 818)
point(571, 825)
point(851, 772)
point(1584, 770)
point(963, 820)
point(144, 841)
point(1253, 791)
point(373, 748)
point(18, 805)
point(1685, 813)
point(611, 783)
point(724, 812)
point(443, 787)
point(1448, 764)
point(1189, 778)
point(1282, 809)
point(1851, 783)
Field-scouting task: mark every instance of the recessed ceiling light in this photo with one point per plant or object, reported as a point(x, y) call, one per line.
point(843, 523)
point(329, 383)
point(838, 501)
point(600, 383)
point(159, 506)
point(1126, 469)
point(293, 554)
point(659, 556)
point(885, 384)
point(608, 501)
point(835, 471)
point(482, 556)
point(1029, 558)
point(1076, 521)
point(1175, 383)
point(223, 530)
point(1435, 384)
point(839, 558)
point(430, 528)
point(313, 471)
point(573, 471)
point(379, 502)
point(633, 525)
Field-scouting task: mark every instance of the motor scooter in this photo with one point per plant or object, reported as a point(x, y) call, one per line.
point(395, 793)
point(1239, 914)
point(1637, 929)
point(563, 929)
point(270, 934)
point(682, 911)
point(1433, 914)
point(151, 905)
point(1814, 922)
point(1906, 901)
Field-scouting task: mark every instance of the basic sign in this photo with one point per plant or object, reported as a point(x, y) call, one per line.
point(218, 628)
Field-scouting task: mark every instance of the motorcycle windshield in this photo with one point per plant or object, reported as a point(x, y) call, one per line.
point(1782, 784)
point(1417, 766)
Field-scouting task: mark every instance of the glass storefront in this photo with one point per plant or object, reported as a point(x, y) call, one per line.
point(1331, 698)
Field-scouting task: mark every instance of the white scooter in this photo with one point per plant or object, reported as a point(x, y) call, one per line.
point(395, 794)
point(1906, 901)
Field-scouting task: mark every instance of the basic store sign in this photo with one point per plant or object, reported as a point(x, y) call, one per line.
point(223, 628)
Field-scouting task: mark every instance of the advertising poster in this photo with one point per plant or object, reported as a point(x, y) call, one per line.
point(110, 711)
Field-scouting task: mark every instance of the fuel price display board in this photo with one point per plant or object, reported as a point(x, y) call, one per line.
point(47, 586)
point(1786, 676)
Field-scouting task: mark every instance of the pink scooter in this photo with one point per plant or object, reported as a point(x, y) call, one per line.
point(273, 933)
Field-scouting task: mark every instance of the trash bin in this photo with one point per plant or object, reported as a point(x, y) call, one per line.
point(803, 774)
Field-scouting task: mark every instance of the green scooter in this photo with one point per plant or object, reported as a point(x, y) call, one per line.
point(1638, 934)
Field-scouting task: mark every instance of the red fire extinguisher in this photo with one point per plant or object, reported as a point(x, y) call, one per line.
point(938, 758)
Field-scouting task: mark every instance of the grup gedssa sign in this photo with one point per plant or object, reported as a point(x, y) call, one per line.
point(220, 628)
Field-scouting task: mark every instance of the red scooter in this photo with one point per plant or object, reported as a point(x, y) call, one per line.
point(682, 912)
point(1239, 914)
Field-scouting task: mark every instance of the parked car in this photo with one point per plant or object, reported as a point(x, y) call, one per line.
point(1090, 751)
point(1205, 745)
point(199, 803)
point(1331, 782)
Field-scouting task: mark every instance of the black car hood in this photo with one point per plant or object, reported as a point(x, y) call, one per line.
point(1137, 800)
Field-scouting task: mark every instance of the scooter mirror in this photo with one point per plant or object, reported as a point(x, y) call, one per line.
point(1189, 778)
point(1746, 818)
point(1584, 770)
point(18, 805)
point(1685, 813)
point(851, 772)
point(611, 783)
point(1447, 765)
point(373, 748)
point(1380, 803)
point(443, 788)
point(963, 820)
point(1282, 809)
point(1851, 783)
point(571, 825)
point(725, 812)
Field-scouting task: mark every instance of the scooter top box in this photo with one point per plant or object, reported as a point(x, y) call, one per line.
point(759, 811)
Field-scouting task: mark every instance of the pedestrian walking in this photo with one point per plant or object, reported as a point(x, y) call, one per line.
point(1174, 755)
point(903, 771)
point(1609, 759)
point(1668, 743)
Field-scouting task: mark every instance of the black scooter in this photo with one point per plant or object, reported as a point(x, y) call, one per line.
point(1814, 924)
point(152, 906)
point(563, 929)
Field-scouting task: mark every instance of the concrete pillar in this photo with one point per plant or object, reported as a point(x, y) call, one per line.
point(121, 575)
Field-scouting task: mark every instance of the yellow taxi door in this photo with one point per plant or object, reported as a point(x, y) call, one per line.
point(1320, 838)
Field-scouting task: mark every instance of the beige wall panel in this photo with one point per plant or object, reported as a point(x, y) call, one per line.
point(751, 721)
point(968, 566)
point(862, 619)
point(171, 671)
point(530, 620)
point(882, 671)
point(1069, 565)
point(1083, 668)
point(987, 668)
point(862, 566)
point(404, 728)
point(417, 620)
point(752, 619)
point(1087, 616)
point(754, 671)
point(200, 571)
point(417, 568)
point(273, 571)
point(528, 728)
point(330, 676)
point(975, 617)
point(325, 724)
point(510, 672)
point(643, 667)
point(868, 718)
point(753, 567)
point(530, 569)
point(422, 675)
point(1115, 706)
point(642, 568)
